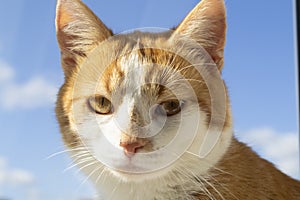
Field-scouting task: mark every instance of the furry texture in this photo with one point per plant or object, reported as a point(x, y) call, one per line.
point(138, 72)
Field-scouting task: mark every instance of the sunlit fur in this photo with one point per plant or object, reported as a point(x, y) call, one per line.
point(137, 71)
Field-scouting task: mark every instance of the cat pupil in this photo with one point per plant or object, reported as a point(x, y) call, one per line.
point(173, 105)
point(102, 101)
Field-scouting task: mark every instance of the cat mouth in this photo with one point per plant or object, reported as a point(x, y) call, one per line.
point(131, 154)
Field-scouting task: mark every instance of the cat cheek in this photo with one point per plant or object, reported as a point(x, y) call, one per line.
point(112, 134)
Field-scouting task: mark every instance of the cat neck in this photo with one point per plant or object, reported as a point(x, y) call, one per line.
point(242, 174)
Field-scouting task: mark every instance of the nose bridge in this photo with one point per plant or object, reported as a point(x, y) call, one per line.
point(139, 115)
point(133, 116)
point(131, 139)
point(128, 138)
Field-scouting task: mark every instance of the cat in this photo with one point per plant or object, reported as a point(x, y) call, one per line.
point(146, 115)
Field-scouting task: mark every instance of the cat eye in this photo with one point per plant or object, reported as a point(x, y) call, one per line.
point(100, 105)
point(169, 108)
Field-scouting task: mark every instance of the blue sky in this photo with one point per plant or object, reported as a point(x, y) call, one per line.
point(259, 71)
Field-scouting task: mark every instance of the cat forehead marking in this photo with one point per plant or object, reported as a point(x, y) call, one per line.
point(134, 70)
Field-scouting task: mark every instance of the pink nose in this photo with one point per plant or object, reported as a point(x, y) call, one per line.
point(131, 148)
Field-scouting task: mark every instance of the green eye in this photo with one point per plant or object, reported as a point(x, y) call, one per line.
point(100, 104)
point(170, 107)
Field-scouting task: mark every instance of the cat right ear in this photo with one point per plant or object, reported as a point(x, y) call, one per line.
point(206, 24)
point(78, 31)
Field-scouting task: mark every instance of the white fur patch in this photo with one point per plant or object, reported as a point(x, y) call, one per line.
point(181, 138)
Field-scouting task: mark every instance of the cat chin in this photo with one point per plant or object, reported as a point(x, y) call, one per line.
point(140, 177)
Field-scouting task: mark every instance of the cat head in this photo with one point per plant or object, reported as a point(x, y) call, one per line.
point(139, 102)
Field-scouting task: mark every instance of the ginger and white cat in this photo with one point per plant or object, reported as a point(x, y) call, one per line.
point(147, 116)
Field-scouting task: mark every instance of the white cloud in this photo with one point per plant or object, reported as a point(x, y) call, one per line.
point(6, 72)
point(20, 177)
point(17, 179)
point(280, 148)
point(14, 177)
point(22, 184)
point(2, 170)
point(36, 92)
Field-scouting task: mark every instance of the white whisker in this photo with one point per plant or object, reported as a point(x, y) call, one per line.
point(100, 175)
point(114, 190)
point(213, 187)
point(63, 151)
point(78, 164)
point(86, 179)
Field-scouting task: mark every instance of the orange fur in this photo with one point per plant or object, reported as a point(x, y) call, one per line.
point(238, 172)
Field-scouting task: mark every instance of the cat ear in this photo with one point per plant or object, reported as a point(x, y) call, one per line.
point(78, 31)
point(206, 24)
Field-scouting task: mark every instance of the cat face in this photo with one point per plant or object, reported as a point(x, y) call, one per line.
point(137, 103)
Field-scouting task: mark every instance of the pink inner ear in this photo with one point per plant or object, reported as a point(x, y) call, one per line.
point(64, 13)
point(63, 17)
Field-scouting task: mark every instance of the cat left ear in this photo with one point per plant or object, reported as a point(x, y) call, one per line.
point(78, 31)
point(206, 24)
